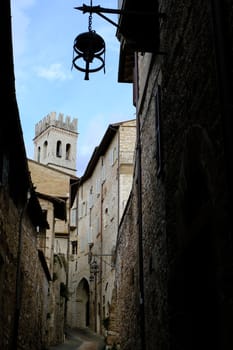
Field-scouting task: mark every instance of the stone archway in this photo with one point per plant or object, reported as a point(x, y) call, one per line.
point(82, 300)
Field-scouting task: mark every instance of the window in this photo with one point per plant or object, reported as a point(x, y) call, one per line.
point(38, 154)
point(98, 187)
point(90, 235)
point(103, 173)
point(84, 208)
point(68, 151)
point(73, 217)
point(97, 226)
point(113, 156)
point(74, 247)
point(59, 149)
point(91, 203)
point(45, 147)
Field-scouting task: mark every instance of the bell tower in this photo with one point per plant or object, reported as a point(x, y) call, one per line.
point(55, 142)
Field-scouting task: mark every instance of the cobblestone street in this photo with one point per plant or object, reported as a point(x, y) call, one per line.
point(82, 339)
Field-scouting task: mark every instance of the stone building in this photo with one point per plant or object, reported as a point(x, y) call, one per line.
point(24, 276)
point(53, 189)
point(55, 142)
point(103, 192)
point(54, 180)
point(174, 273)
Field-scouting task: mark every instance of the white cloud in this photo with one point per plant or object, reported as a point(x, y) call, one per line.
point(53, 72)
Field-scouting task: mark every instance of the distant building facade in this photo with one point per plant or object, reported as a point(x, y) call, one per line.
point(103, 192)
point(53, 175)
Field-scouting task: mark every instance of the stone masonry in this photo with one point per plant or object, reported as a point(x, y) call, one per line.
point(55, 142)
point(182, 188)
point(34, 283)
point(102, 196)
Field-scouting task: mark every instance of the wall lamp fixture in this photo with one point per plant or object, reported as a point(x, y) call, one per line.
point(90, 46)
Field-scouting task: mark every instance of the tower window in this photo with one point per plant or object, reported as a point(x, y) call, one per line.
point(59, 149)
point(38, 155)
point(45, 147)
point(68, 151)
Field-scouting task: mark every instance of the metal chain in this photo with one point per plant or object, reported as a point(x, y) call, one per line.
point(90, 19)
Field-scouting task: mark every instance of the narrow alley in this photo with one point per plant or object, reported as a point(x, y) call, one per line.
point(82, 339)
point(137, 253)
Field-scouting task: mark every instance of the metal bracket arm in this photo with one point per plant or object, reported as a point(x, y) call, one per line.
point(100, 10)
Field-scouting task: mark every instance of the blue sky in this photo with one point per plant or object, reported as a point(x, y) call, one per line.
point(43, 37)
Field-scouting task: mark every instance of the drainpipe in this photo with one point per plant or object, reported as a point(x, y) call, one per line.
point(18, 286)
point(140, 226)
point(222, 46)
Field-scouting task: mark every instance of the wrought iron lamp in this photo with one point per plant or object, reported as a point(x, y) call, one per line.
point(90, 47)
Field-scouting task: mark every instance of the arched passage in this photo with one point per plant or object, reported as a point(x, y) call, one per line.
point(82, 294)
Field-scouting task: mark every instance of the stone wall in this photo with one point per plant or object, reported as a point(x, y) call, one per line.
point(125, 316)
point(181, 180)
point(33, 286)
point(58, 296)
point(195, 178)
point(24, 276)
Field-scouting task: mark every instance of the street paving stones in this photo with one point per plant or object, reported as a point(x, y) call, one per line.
point(81, 339)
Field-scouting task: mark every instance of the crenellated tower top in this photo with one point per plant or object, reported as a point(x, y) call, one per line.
point(55, 142)
point(58, 121)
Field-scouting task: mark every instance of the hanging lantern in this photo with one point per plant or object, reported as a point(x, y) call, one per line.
point(89, 46)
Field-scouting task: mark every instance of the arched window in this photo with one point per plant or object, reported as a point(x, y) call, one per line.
point(68, 151)
point(59, 149)
point(45, 148)
point(38, 155)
